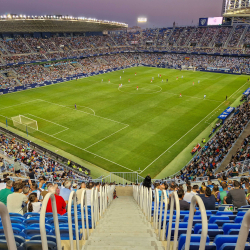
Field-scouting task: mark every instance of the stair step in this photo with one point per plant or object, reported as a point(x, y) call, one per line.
point(123, 247)
point(121, 234)
point(122, 242)
point(123, 238)
point(122, 230)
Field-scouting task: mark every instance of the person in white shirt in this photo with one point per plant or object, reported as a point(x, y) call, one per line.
point(79, 193)
point(34, 206)
point(17, 200)
point(188, 195)
point(65, 192)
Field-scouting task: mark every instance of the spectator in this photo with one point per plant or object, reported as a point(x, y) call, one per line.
point(79, 193)
point(34, 189)
point(4, 193)
point(34, 206)
point(236, 196)
point(16, 201)
point(147, 181)
point(31, 174)
point(223, 193)
point(202, 192)
point(60, 202)
point(209, 199)
point(65, 192)
point(88, 193)
point(17, 167)
point(188, 195)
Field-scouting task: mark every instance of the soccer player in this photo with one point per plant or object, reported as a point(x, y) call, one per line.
point(75, 106)
point(120, 77)
point(160, 76)
point(205, 96)
point(128, 80)
point(123, 71)
point(135, 73)
point(226, 97)
point(121, 84)
point(109, 80)
point(181, 77)
point(198, 81)
point(102, 80)
point(162, 80)
point(177, 78)
point(151, 80)
point(137, 88)
point(180, 95)
point(193, 83)
point(166, 80)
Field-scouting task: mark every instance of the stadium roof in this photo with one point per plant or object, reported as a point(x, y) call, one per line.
point(22, 23)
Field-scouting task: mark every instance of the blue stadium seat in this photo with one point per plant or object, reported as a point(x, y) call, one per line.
point(20, 220)
point(16, 231)
point(227, 226)
point(194, 238)
point(207, 212)
point(4, 246)
point(241, 213)
point(227, 213)
point(196, 217)
point(64, 233)
point(231, 246)
point(238, 219)
point(29, 232)
point(196, 246)
point(220, 223)
point(221, 239)
point(37, 225)
point(213, 218)
point(16, 225)
point(235, 231)
point(18, 238)
point(28, 215)
point(181, 225)
point(33, 220)
point(37, 245)
point(15, 215)
point(49, 238)
point(61, 219)
point(212, 233)
point(198, 226)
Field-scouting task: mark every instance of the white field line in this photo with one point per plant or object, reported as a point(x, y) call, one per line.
point(87, 108)
point(47, 120)
point(106, 137)
point(189, 131)
point(75, 145)
point(83, 112)
point(80, 148)
point(192, 97)
point(60, 131)
point(18, 104)
point(136, 92)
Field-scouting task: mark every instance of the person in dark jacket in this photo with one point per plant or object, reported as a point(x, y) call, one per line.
point(147, 181)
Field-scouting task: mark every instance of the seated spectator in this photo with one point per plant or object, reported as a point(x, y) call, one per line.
point(17, 167)
point(79, 193)
point(31, 174)
point(236, 196)
point(202, 192)
point(183, 204)
point(223, 193)
point(65, 192)
point(60, 202)
point(34, 206)
point(188, 195)
point(4, 193)
point(17, 201)
point(208, 200)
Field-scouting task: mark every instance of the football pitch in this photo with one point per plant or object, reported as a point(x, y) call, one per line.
point(125, 129)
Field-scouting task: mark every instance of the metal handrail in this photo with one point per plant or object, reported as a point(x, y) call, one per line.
point(7, 227)
point(71, 239)
point(165, 216)
point(42, 221)
point(84, 205)
point(174, 199)
point(244, 231)
point(202, 208)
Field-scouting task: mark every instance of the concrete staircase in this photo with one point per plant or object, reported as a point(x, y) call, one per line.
point(123, 227)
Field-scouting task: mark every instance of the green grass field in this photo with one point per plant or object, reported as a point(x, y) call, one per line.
point(126, 129)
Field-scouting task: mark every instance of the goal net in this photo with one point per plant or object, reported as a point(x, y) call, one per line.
point(25, 123)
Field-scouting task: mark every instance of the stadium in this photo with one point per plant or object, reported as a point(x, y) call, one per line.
point(117, 137)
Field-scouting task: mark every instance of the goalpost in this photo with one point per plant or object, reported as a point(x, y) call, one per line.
point(25, 123)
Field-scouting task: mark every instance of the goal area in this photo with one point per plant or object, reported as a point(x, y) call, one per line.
point(25, 123)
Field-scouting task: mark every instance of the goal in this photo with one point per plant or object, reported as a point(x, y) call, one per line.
point(25, 123)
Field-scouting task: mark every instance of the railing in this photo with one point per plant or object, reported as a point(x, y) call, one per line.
point(143, 197)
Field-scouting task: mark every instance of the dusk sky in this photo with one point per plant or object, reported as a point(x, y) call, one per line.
point(160, 13)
